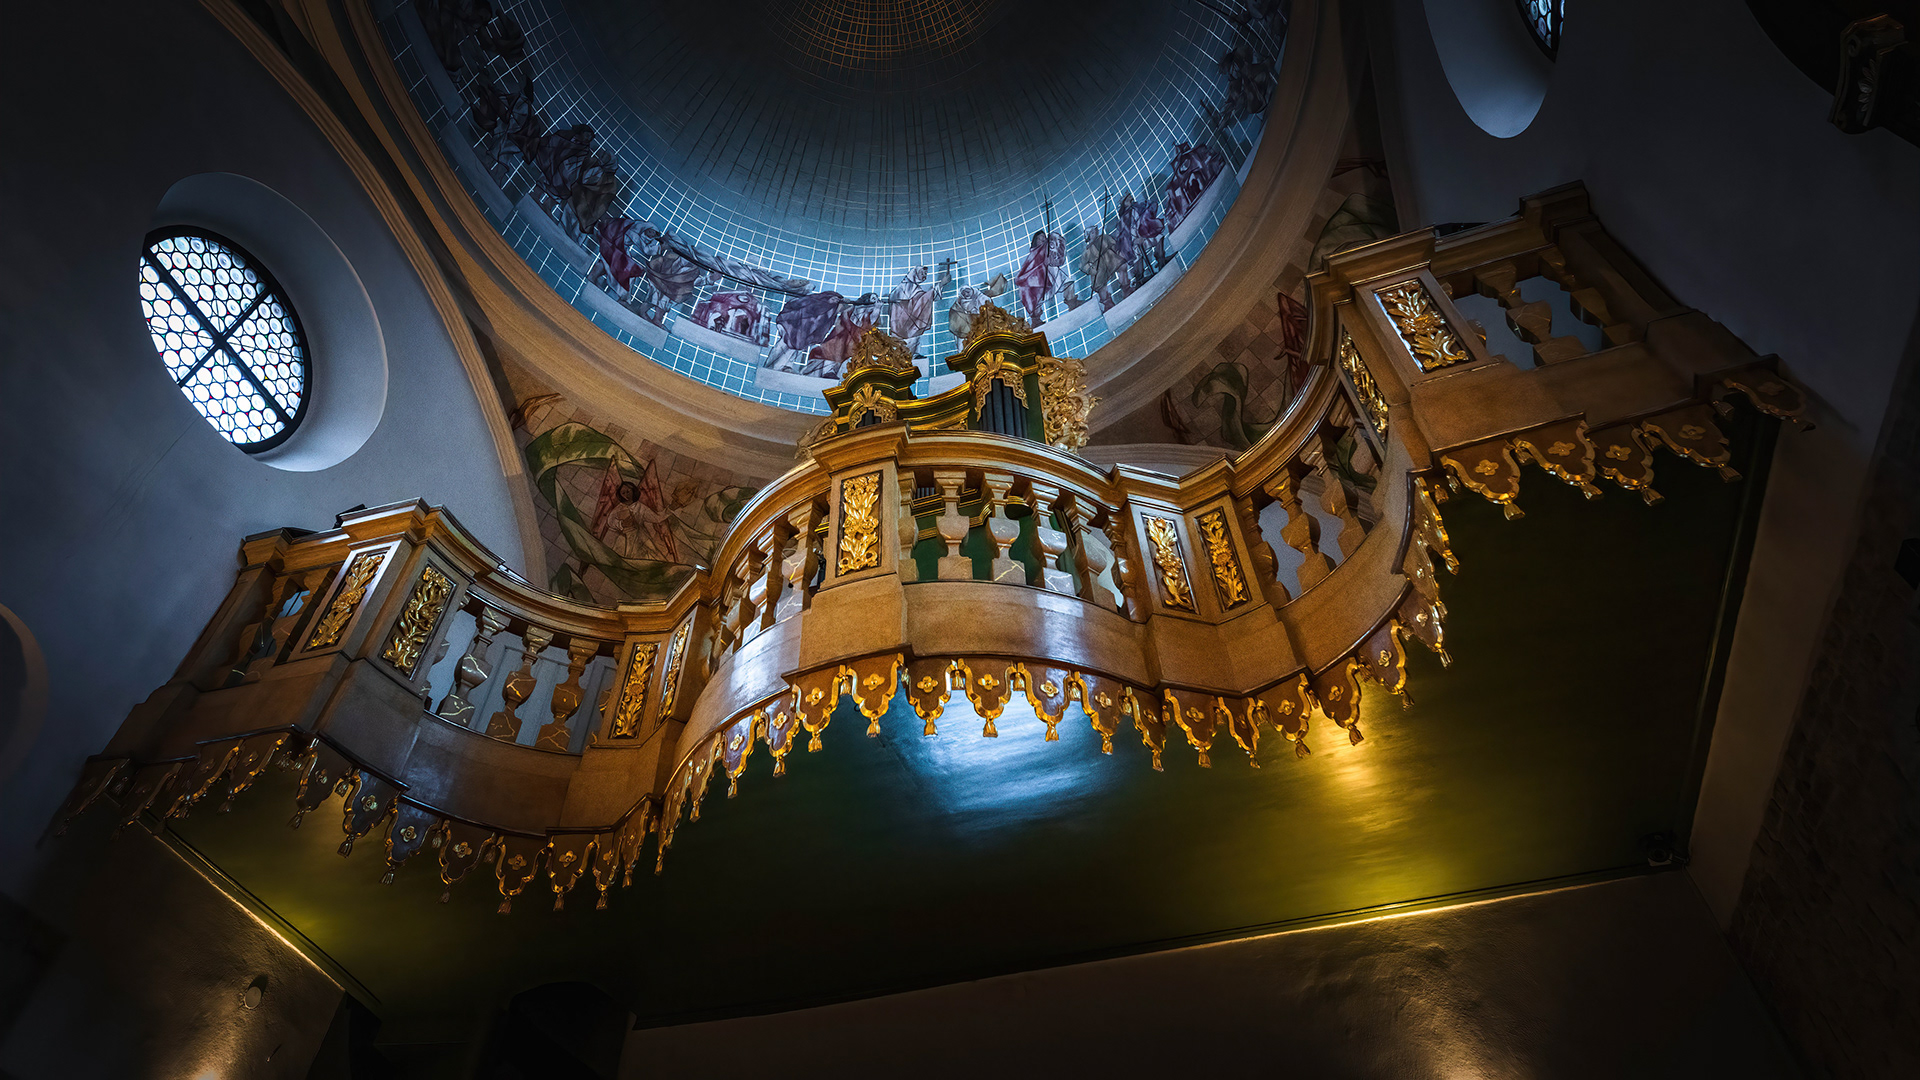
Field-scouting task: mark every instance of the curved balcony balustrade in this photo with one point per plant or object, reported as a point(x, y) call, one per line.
point(946, 555)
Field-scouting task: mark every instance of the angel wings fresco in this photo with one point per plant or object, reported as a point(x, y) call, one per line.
point(629, 527)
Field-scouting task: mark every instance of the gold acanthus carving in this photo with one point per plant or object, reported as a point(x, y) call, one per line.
point(1433, 343)
point(1165, 538)
point(1372, 403)
point(859, 523)
point(633, 696)
point(676, 657)
point(417, 620)
point(875, 348)
point(869, 399)
point(994, 319)
point(1227, 579)
point(995, 367)
point(1065, 403)
point(353, 589)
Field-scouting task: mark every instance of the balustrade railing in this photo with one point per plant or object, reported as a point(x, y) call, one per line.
point(928, 553)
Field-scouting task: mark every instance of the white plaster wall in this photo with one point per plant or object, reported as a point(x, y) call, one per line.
point(122, 509)
point(1709, 156)
point(1628, 978)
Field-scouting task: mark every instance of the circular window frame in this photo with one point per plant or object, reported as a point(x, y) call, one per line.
point(269, 286)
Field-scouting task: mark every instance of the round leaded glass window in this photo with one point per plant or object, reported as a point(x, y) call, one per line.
point(228, 335)
point(1543, 21)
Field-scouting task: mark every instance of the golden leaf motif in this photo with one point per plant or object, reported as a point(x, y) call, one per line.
point(739, 740)
point(353, 589)
point(1619, 452)
point(566, 858)
point(1048, 688)
point(369, 803)
point(1386, 657)
point(408, 833)
point(1691, 431)
point(1487, 467)
point(995, 367)
point(633, 696)
point(1335, 693)
point(1286, 708)
point(462, 849)
point(1064, 402)
point(1227, 580)
point(1432, 342)
point(670, 682)
point(859, 523)
point(871, 681)
point(875, 348)
point(994, 319)
point(813, 697)
point(926, 685)
point(1358, 374)
point(1104, 700)
point(417, 620)
point(1560, 449)
point(517, 861)
point(989, 681)
point(1165, 538)
point(869, 399)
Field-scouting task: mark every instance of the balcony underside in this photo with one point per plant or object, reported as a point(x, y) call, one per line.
point(1570, 728)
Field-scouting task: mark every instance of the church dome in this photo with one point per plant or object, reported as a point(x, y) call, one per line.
point(738, 193)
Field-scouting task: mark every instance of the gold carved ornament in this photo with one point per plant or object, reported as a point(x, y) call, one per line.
point(353, 589)
point(633, 696)
point(859, 523)
point(869, 399)
point(995, 366)
point(1227, 579)
point(875, 348)
point(994, 319)
point(670, 682)
point(1165, 538)
point(1432, 342)
point(1064, 402)
point(1372, 402)
point(417, 620)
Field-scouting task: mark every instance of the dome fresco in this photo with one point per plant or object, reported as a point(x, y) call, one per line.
point(738, 198)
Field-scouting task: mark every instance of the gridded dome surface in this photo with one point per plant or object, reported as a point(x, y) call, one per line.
point(229, 340)
point(685, 174)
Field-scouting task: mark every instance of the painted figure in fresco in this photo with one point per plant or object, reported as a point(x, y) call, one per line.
point(1042, 275)
point(1194, 170)
point(449, 23)
point(967, 304)
point(828, 360)
point(505, 122)
point(635, 519)
point(803, 323)
point(1101, 262)
point(1248, 65)
point(1143, 237)
point(733, 312)
point(617, 234)
point(911, 314)
point(572, 175)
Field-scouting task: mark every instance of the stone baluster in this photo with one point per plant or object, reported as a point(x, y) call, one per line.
point(1092, 556)
point(1002, 530)
point(953, 526)
point(1334, 500)
point(472, 669)
point(799, 563)
point(505, 724)
point(567, 696)
point(1302, 530)
point(908, 528)
point(1049, 543)
point(1266, 567)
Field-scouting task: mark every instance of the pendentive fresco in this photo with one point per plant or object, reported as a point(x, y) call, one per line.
point(620, 517)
